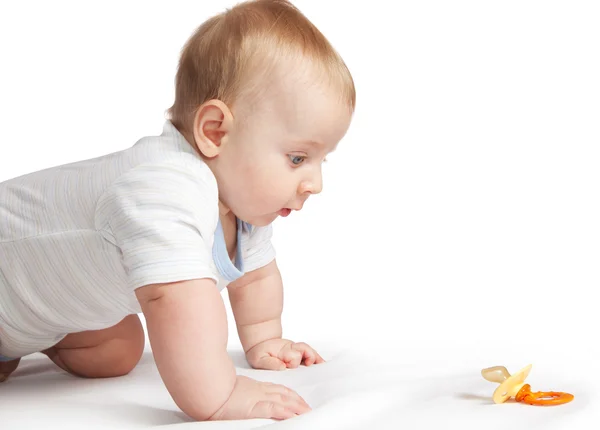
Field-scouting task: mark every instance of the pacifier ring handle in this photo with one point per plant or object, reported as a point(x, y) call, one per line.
point(542, 398)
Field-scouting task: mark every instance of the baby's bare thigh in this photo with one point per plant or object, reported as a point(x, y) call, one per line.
point(110, 352)
point(128, 329)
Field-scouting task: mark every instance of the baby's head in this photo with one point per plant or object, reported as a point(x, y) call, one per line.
point(264, 98)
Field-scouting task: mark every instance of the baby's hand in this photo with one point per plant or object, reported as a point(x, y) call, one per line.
point(279, 354)
point(254, 399)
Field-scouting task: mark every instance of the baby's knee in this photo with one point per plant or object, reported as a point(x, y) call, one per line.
point(117, 354)
point(125, 351)
point(8, 367)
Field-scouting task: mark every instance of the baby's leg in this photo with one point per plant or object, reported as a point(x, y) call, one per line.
point(111, 352)
point(8, 367)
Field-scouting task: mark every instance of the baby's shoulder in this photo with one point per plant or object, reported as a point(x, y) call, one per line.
point(168, 190)
point(167, 159)
point(176, 176)
point(162, 172)
point(153, 151)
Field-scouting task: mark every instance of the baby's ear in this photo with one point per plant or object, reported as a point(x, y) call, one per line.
point(212, 122)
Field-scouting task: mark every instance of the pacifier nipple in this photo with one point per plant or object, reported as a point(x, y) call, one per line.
point(497, 374)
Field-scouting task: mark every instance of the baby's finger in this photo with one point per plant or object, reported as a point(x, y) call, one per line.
point(319, 359)
point(271, 410)
point(293, 403)
point(309, 355)
point(292, 358)
point(309, 359)
point(288, 392)
point(269, 363)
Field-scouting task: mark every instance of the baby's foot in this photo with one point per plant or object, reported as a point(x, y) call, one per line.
point(8, 367)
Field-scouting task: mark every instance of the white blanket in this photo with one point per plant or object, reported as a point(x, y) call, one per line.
point(411, 387)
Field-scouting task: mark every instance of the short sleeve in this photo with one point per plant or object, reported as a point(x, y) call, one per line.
point(258, 248)
point(162, 217)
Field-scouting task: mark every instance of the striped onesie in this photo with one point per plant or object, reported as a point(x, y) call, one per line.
point(76, 240)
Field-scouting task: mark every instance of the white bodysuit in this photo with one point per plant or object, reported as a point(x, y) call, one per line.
point(77, 240)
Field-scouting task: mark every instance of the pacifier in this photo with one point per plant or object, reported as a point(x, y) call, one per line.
point(515, 386)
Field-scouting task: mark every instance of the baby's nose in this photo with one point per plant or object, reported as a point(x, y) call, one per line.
point(313, 185)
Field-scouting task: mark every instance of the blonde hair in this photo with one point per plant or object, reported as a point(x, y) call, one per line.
point(226, 56)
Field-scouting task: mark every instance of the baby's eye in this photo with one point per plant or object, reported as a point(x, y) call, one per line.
point(297, 159)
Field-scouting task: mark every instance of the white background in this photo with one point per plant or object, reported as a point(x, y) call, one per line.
point(461, 209)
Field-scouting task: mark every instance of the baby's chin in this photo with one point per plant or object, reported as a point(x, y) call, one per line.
point(261, 220)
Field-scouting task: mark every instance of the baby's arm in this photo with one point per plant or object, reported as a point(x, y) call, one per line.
point(158, 215)
point(187, 328)
point(257, 304)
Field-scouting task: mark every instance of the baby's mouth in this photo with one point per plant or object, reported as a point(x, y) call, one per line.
point(284, 212)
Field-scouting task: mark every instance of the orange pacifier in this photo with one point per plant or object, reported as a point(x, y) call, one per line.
point(514, 386)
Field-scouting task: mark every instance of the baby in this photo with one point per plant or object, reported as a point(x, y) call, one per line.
point(162, 227)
